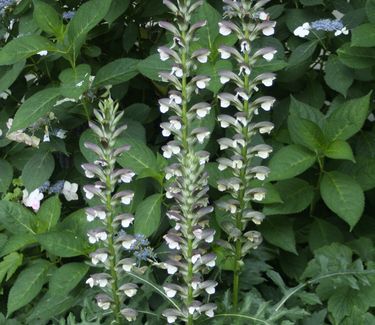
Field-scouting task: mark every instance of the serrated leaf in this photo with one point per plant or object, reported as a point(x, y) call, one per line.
point(323, 233)
point(343, 195)
point(48, 214)
point(15, 217)
point(303, 52)
point(48, 19)
point(74, 82)
point(152, 66)
point(296, 194)
point(290, 161)
point(35, 107)
point(66, 278)
point(23, 47)
point(6, 175)
point(356, 57)
point(339, 150)
point(17, 242)
point(363, 171)
point(147, 215)
point(306, 111)
point(347, 119)
point(337, 76)
point(37, 170)
point(28, 284)
point(63, 243)
point(116, 72)
point(9, 265)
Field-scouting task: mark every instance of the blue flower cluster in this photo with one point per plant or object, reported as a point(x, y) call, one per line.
point(52, 189)
point(327, 25)
point(141, 249)
point(69, 14)
point(4, 4)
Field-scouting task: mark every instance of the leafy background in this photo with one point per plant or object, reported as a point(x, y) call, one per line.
point(316, 265)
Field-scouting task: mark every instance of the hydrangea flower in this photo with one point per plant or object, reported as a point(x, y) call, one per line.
point(32, 200)
point(327, 25)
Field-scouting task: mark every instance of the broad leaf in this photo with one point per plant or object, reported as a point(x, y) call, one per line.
point(343, 195)
point(74, 82)
point(337, 76)
point(147, 216)
point(9, 265)
point(48, 19)
point(339, 150)
point(8, 75)
point(48, 215)
point(364, 35)
point(323, 233)
point(356, 57)
point(6, 175)
point(306, 111)
point(290, 161)
point(17, 242)
point(152, 66)
point(15, 218)
point(303, 52)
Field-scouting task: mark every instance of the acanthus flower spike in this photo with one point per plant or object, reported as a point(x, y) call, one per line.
point(248, 21)
point(189, 238)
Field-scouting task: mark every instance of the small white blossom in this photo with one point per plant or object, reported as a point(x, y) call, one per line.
point(33, 199)
point(302, 31)
point(70, 191)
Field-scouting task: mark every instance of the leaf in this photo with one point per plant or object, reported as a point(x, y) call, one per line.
point(116, 9)
point(337, 76)
point(363, 171)
point(305, 111)
point(137, 112)
point(347, 119)
point(10, 74)
point(74, 82)
point(66, 278)
point(28, 284)
point(343, 195)
point(363, 35)
point(37, 170)
point(370, 10)
point(278, 230)
point(15, 218)
point(147, 216)
point(212, 70)
point(9, 265)
point(48, 214)
point(6, 175)
point(116, 72)
point(356, 57)
point(17, 242)
point(306, 133)
point(62, 243)
point(152, 66)
point(290, 161)
point(323, 233)
point(23, 47)
point(48, 19)
point(88, 15)
point(296, 194)
point(34, 108)
point(339, 150)
point(303, 52)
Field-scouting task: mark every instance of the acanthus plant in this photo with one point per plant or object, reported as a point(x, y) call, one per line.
point(248, 21)
point(110, 237)
point(190, 238)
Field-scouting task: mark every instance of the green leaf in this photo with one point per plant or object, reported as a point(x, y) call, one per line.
point(88, 15)
point(6, 175)
point(35, 107)
point(66, 278)
point(290, 161)
point(116, 9)
point(370, 10)
point(116, 72)
point(152, 66)
point(278, 230)
point(212, 70)
point(303, 52)
point(147, 216)
point(306, 133)
point(37, 170)
point(15, 218)
point(139, 157)
point(323, 233)
point(337, 76)
point(364, 35)
point(28, 284)
point(296, 194)
point(23, 47)
point(347, 119)
point(356, 57)
point(363, 171)
point(74, 82)
point(17, 242)
point(305, 111)
point(8, 75)
point(48, 19)
point(137, 112)
point(48, 215)
point(63, 243)
point(343, 195)
point(339, 150)
point(9, 265)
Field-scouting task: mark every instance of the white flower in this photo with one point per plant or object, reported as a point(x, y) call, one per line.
point(170, 292)
point(61, 134)
point(269, 30)
point(343, 31)
point(302, 31)
point(43, 53)
point(171, 269)
point(126, 199)
point(104, 305)
point(268, 81)
point(224, 54)
point(224, 30)
point(171, 319)
point(70, 191)
point(263, 15)
point(33, 199)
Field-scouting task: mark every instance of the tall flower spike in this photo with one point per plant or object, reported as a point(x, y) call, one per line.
point(110, 238)
point(248, 21)
point(186, 179)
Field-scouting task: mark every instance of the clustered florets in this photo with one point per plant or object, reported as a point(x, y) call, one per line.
point(327, 25)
